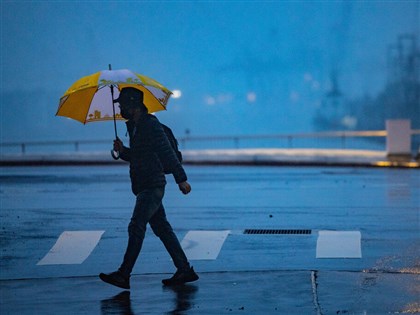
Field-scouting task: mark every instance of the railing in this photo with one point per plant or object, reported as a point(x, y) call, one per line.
point(56, 144)
point(335, 139)
point(287, 140)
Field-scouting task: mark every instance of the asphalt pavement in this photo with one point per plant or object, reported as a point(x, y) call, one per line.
point(264, 240)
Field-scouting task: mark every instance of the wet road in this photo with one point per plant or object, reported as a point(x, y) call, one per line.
point(375, 270)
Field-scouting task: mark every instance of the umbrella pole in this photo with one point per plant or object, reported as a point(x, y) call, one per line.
point(113, 112)
point(115, 154)
point(113, 106)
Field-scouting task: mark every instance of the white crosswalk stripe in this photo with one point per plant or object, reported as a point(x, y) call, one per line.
point(204, 245)
point(72, 247)
point(339, 244)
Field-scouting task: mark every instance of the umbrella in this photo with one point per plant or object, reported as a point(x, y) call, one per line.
point(91, 98)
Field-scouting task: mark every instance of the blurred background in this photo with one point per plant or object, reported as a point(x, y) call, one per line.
point(235, 67)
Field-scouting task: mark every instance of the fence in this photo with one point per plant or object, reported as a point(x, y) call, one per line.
point(374, 140)
point(342, 140)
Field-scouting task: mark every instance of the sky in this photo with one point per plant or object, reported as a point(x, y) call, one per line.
point(243, 67)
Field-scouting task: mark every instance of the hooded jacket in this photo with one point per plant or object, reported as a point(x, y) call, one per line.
point(149, 149)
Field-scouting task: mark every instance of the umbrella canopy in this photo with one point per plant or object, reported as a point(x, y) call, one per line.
point(91, 98)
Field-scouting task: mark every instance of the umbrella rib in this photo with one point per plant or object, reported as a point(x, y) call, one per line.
point(109, 85)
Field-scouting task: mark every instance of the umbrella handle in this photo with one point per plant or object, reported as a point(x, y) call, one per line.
point(115, 154)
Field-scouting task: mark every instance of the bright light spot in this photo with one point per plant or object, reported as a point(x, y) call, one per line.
point(176, 94)
point(314, 84)
point(210, 100)
point(349, 121)
point(251, 97)
point(225, 98)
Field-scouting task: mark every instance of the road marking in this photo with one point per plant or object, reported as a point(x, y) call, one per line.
point(72, 247)
point(204, 245)
point(339, 244)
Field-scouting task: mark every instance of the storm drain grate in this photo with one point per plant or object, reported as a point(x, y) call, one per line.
point(265, 231)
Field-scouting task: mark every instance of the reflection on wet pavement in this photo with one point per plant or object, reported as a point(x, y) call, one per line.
point(119, 304)
point(184, 297)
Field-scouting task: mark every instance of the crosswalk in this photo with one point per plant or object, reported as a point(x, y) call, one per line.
point(74, 247)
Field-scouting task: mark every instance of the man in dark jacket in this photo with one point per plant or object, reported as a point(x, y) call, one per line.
point(149, 150)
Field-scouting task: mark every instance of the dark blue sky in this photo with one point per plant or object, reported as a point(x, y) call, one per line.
point(243, 67)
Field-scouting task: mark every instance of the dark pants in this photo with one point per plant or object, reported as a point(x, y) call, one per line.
point(149, 209)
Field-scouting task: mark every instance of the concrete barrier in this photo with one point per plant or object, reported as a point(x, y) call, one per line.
point(398, 140)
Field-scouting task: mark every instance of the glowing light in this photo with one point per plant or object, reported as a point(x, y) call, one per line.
point(397, 164)
point(349, 121)
point(251, 97)
point(176, 93)
point(224, 98)
point(210, 100)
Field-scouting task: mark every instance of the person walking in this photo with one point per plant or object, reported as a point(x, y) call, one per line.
point(149, 152)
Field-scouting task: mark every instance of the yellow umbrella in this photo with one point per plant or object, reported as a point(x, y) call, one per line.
point(91, 98)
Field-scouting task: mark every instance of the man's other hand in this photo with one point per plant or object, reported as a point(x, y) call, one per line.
point(184, 187)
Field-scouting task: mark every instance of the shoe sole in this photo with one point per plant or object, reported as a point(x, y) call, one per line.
point(170, 283)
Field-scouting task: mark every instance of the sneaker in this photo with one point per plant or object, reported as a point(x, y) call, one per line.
point(116, 278)
point(181, 277)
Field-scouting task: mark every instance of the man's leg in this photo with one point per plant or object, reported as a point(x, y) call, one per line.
point(147, 203)
point(162, 228)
